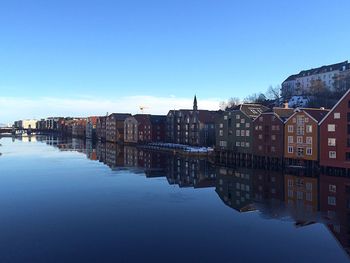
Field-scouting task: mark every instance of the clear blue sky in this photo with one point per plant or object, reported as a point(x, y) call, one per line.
point(215, 48)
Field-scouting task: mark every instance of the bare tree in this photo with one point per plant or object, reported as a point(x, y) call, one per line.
point(274, 93)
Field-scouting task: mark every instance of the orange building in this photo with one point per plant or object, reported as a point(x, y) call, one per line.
point(301, 134)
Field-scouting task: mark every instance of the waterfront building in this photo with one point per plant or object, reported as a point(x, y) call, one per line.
point(137, 129)
point(115, 127)
point(191, 127)
point(79, 128)
point(301, 135)
point(268, 133)
point(101, 128)
point(299, 84)
point(158, 128)
point(26, 124)
point(91, 127)
point(335, 135)
point(234, 128)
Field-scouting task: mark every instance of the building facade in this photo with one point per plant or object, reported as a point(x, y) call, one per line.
point(91, 127)
point(301, 134)
point(137, 129)
point(335, 135)
point(115, 127)
point(191, 127)
point(101, 128)
point(268, 133)
point(299, 84)
point(234, 128)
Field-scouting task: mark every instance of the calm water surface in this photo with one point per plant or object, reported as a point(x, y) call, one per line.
point(71, 201)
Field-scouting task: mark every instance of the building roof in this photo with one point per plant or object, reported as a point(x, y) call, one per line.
point(156, 119)
point(336, 105)
point(206, 116)
point(120, 116)
point(252, 110)
point(283, 113)
point(322, 69)
point(317, 114)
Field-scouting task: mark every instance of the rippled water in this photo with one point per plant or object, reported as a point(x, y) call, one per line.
point(72, 201)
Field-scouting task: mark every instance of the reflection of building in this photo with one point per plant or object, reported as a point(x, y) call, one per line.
point(335, 135)
point(301, 196)
point(190, 172)
point(114, 155)
point(335, 204)
point(235, 188)
point(268, 185)
point(91, 151)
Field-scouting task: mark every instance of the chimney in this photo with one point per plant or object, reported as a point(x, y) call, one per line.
point(322, 108)
point(285, 105)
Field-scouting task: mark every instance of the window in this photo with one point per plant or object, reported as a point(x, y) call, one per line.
point(290, 149)
point(273, 149)
point(290, 139)
point(238, 144)
point(260, 148)
point(247, 133)
point(336, 115)
point(290, 128)
point(309, 140)
point(331, 141)
point(331, 127)
point(242, 144)
point(300, 195)
point(300, 120)
point(223, 143)
point(247, 125)
point(306, 120)
point(300, 130)
point(309, 128)
point(290, 183)
point(308, 151)
point(261, 119)
point(242, 132)
point(332, 154)
point(225, 117)
point(237, 117)
point(242, 120)
point(238, 132)
point(247, 144)
point(260, 136)
point(300, 151)
point(308, 186)
point(221, 133)
point(309, 197)
point(332, 188)
point(331, 200)
point(238, 125)
point(299, 139)
point(273, 137)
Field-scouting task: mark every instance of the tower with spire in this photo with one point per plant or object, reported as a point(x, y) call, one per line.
point(195, 107)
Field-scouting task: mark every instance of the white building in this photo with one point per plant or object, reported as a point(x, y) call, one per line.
point(27, 124)
point(299, 84)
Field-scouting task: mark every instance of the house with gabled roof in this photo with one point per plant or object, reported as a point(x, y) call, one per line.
point(301, 134)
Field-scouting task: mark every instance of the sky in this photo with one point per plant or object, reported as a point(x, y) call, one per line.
point(83, 57)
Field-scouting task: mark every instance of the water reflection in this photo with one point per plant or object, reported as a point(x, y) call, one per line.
point(304, 200)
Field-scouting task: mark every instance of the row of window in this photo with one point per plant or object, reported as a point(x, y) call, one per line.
point(300, 139)
point(243, 144)
point(300, 129)
point(300, 150)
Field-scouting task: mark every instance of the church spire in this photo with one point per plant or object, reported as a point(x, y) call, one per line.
point(195, 107)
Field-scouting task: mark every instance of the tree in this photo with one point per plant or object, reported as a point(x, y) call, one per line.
point(341, 84)
point(231, 103)
point(274, 93)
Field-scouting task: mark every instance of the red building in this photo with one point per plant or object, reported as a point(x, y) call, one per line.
point(335, 136)
point(268, 143)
